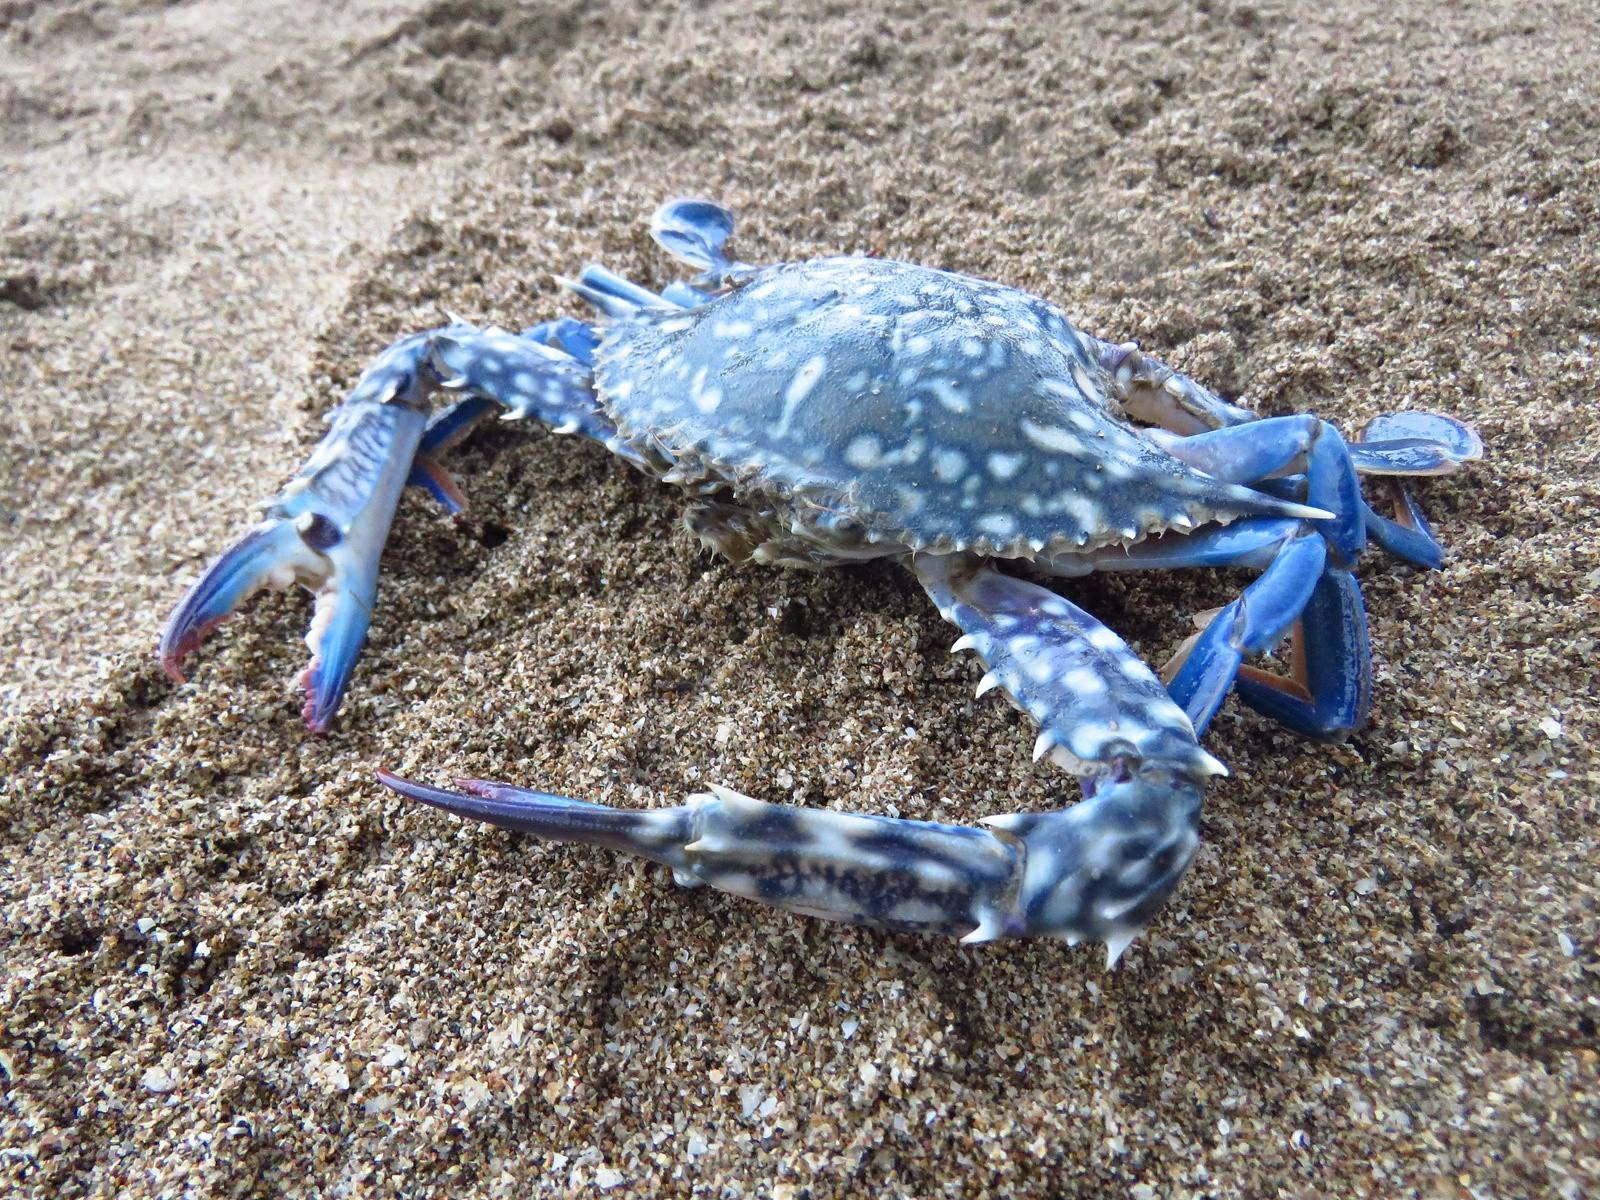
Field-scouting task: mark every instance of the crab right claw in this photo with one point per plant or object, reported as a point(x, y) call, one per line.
point(325, 530)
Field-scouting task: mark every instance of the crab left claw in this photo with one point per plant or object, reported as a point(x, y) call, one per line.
point(325, 530)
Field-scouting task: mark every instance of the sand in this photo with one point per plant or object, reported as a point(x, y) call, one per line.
point(234, 965)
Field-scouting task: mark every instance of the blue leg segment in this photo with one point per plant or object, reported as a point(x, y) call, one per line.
point(684, 295)
point(1281, 456)
point(1252, 624)
point(445, 428)
point(452, 423)
point(566, 333)
point(526, 377)
point(1415, 443)
point(1409, 538)
point(1332, 484)
point(1408, 456)
point(1306, 584)
point(1411, 443)
point(1248, 453)
point(612, 294)
point(1252, 542)
point(1331, 688)
point(499, 374)
point(1307, 587)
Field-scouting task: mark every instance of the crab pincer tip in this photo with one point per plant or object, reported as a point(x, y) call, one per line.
point(338, 629)
point(437, 797)
point(256, 560)
point(400, 783)
point(171, 658)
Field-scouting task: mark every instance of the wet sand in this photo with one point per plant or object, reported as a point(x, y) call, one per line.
point(234, 965)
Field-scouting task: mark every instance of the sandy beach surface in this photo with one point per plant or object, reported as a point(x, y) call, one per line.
point(234, 965)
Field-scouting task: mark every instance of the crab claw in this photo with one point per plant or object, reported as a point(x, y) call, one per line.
point(324, 531)
point(339, 623)
point(270, 555)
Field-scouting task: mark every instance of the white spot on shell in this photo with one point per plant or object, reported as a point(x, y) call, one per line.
point(1116, 469)
point(805, 379)
point(1004, 466)
point(864, 452)
point(949, 465)
point(1084, 381)
point(1083, 510)
point(1083, 682)
point(1052, 437)
point(1000, 525)
point(948, 396)
point(1103, 639)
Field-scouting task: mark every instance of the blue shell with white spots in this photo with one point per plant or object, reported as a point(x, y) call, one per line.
point(933, 410)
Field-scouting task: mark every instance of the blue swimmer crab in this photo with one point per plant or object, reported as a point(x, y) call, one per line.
point(852, 408)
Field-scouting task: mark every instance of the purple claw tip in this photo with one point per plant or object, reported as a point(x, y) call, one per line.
point(172, 664)
point(318, 712)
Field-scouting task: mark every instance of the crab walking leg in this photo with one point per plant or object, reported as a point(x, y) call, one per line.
point(867, 870)
point(1096, 871)
point(1251, 543)
point(1408, 536)
point(1306, 588)
point(327, 528)
point(1281, 448)
point(1411, 443)
point(1320, 608)
point(1195, 425)
point(451, 424)
point(1203, 670)
point(1415, 443)
point(1329, 691)
point(1297, 593)
point(1246, 453)
point(694, 232)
